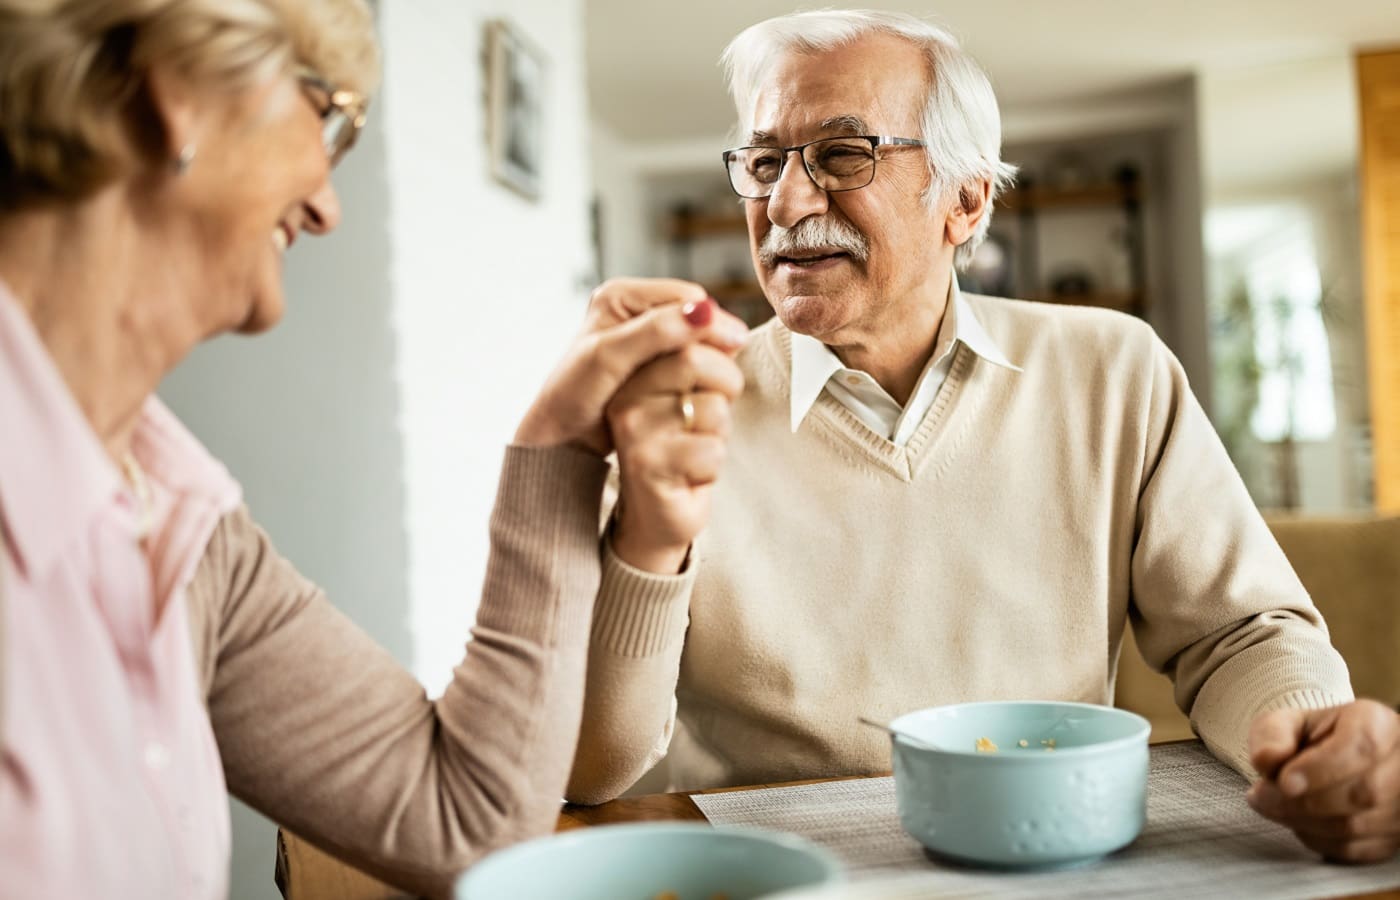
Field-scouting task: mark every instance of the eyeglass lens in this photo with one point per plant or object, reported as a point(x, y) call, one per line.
point(835, 164)
point(338, 133)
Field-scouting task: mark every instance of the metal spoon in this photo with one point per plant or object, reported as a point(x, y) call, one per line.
point(918, 742)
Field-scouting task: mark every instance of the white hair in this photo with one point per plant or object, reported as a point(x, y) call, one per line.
point(961, 122)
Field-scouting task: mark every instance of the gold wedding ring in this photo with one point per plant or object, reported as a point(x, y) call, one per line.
point(687, 405)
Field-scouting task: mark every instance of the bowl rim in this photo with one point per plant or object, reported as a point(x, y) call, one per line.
point(832, 869)
point(1138, 737)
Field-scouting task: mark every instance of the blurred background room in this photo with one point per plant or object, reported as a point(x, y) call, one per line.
point(1227, 170)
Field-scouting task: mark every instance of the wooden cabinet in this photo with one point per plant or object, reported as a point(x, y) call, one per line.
point(1379, 87)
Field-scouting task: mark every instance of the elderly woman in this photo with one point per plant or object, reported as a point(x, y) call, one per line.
point(157, 158)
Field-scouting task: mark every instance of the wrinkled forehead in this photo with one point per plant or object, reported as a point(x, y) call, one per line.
point(876, 85)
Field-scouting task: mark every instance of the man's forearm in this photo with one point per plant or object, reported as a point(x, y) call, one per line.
point(634, 658)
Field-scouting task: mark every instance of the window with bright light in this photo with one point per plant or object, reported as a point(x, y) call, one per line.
point(1290, 337)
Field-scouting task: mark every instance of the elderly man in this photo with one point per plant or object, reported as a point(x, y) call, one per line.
point(933, 497)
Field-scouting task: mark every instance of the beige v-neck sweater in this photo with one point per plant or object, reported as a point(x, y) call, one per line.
point(998, 555)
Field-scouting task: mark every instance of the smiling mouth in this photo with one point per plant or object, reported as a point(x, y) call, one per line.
point(283, 237)
point(808, 260)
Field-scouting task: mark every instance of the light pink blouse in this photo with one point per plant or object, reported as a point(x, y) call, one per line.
point(110, 780)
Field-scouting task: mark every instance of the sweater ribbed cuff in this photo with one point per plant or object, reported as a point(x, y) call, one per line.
point(543, 574)
point(1252, 683)
point(640, 613)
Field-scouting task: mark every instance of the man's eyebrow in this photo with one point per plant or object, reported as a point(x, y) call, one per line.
point(842, 125)
point(852, 125)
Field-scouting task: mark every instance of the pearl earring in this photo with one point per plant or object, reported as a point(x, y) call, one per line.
point(185, 159)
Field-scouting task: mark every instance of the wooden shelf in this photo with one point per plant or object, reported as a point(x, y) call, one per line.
point(684, 228)
point(1125, 301)
point(742, 298)
point(1089, 196)
point(727, 291)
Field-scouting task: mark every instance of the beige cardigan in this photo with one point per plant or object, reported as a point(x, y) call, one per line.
point(322, 731)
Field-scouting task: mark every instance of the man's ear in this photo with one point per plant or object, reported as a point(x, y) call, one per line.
point(967, 211)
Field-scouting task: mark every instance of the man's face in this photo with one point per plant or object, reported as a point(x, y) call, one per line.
point(876, 85)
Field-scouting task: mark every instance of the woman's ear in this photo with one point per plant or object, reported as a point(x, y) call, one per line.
point(174, 109)
point(968, 211)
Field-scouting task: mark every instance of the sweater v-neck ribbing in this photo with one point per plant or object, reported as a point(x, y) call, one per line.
point(904, 462)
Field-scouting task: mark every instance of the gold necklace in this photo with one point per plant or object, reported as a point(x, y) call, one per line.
point(136, 477)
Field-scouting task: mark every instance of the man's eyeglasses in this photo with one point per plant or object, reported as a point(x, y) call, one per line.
point(834, 164)
point(343, 114)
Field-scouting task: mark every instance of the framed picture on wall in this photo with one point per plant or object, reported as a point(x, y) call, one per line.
point(515, 76)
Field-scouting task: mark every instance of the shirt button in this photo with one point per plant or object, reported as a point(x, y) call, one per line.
point(853, 380)
point(157, 757)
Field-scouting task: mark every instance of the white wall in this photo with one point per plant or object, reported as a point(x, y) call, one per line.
point(488, 286)
point(1268, 125)
point(626, 232)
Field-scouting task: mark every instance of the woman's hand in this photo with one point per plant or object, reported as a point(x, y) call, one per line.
point(630, 323)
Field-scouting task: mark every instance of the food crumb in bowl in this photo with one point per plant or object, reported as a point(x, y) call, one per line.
point(985, 745)
point(667, 895)
point(1048, 743)
point(1023, 743)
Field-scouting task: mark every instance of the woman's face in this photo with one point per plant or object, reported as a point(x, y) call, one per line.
point(259, 178)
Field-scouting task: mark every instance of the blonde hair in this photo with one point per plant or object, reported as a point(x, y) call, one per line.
point(69, 70)
point(961, 121)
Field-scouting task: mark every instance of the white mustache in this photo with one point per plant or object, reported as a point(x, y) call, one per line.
point(813, 234)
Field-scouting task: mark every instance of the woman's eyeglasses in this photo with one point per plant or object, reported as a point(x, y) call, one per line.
point(343, 114)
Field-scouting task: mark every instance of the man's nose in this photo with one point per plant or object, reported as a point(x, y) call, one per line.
point(795, 195)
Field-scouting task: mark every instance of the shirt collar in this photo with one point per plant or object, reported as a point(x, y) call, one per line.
point(813, 363)
point(971, 333)
point(57, 477)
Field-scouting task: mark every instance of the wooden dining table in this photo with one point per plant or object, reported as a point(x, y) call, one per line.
point(665, 807)
point(305, 873)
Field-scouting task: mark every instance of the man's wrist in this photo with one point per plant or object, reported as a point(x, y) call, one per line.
point(647, 556)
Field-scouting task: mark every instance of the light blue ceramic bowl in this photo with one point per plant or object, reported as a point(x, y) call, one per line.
point(640, 862)
point(1022, 806)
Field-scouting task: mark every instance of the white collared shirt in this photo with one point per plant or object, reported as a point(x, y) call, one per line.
point(815, 367)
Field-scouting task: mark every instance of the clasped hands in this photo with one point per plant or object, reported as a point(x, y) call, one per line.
point(652, 376)
point(1332, 776)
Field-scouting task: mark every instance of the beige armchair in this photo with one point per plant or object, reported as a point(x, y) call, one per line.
point(1351, 567)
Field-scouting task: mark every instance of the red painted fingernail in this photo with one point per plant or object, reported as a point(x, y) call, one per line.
point(699, 314)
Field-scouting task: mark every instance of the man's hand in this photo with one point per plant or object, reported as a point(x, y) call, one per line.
point(1332, 776)
point(630, 323)
point(671, 423)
